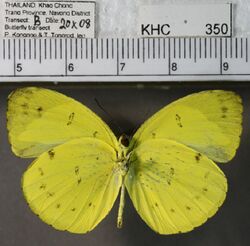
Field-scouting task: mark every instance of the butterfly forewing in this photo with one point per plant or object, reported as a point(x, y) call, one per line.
point(39, 119)
point(209, 122)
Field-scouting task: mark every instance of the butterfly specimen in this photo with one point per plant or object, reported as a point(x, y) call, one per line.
point(167, 168)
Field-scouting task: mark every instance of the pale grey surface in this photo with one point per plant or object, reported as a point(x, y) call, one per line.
point(129, 106)
point(120, 18)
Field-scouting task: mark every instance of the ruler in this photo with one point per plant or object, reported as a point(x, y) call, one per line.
point(125, 59)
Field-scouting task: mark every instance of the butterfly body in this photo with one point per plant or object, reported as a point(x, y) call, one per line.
point(167, 168)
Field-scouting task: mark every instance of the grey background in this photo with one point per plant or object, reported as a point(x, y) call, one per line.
point(129, 106)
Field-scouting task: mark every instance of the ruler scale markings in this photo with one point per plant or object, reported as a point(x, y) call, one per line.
point(50, 49)
point(138, 48)
point(86, 49)
point(76, 48)
point(66, 57)
point(112, 46)
point(210, 48)
point(231, 48)
point(241, 47)
point(107, 48)
point(24, 49)
point(91, 50)
point(236, 48)
point(153, 48)
point(55, 45)
point(169, 57)
point(143, 50)
point(61, 51)
point(205, 49)
point(185, 52)
point(221, 61)
point(123, 48)
point(226, 40)
point(34, 44)
point(81, 48)
point(149, 56)
point(133, 48)
point(30, 48)
point(200, 48)
point(97, 50)
point(215, 47)
point(19, 49)
point(190, 47)
point(246, 50)
point(45, 49)
point(4, 49)
point(180, 50)
point(9, 48)
point(102, 52)
point(148, 48)
point(128, 46)
point(1, 49)
point(159, 48)
point(164, 48)
point(195, 51)
point(70, 49)
point(117, 54)
point(174, 48)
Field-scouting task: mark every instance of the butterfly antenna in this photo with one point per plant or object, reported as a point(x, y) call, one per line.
point(138, 125)
point(110, 116)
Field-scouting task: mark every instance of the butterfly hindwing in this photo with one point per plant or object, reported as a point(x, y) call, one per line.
point(209, 122)
point(73, 186)
point(173, 187)
point(39, 119)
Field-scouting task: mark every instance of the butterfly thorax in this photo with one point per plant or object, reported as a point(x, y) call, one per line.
point(122, 155)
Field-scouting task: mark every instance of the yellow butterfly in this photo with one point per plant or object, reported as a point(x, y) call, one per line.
point(167, 168)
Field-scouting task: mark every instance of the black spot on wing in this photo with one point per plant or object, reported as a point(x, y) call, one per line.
point(50, 194)
point(224, 110)
point(76, 170)
point(205, 189)
point(42, 187)
point(198, 157)
point(95, 134)
point(79, 181)
point(206, 175)
point(172, 171)
point(51, 154)
point(178, 120)
point(90, 204)
point(71, 118)
point(25, 105)
point(58, 205)
point(41, 171)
